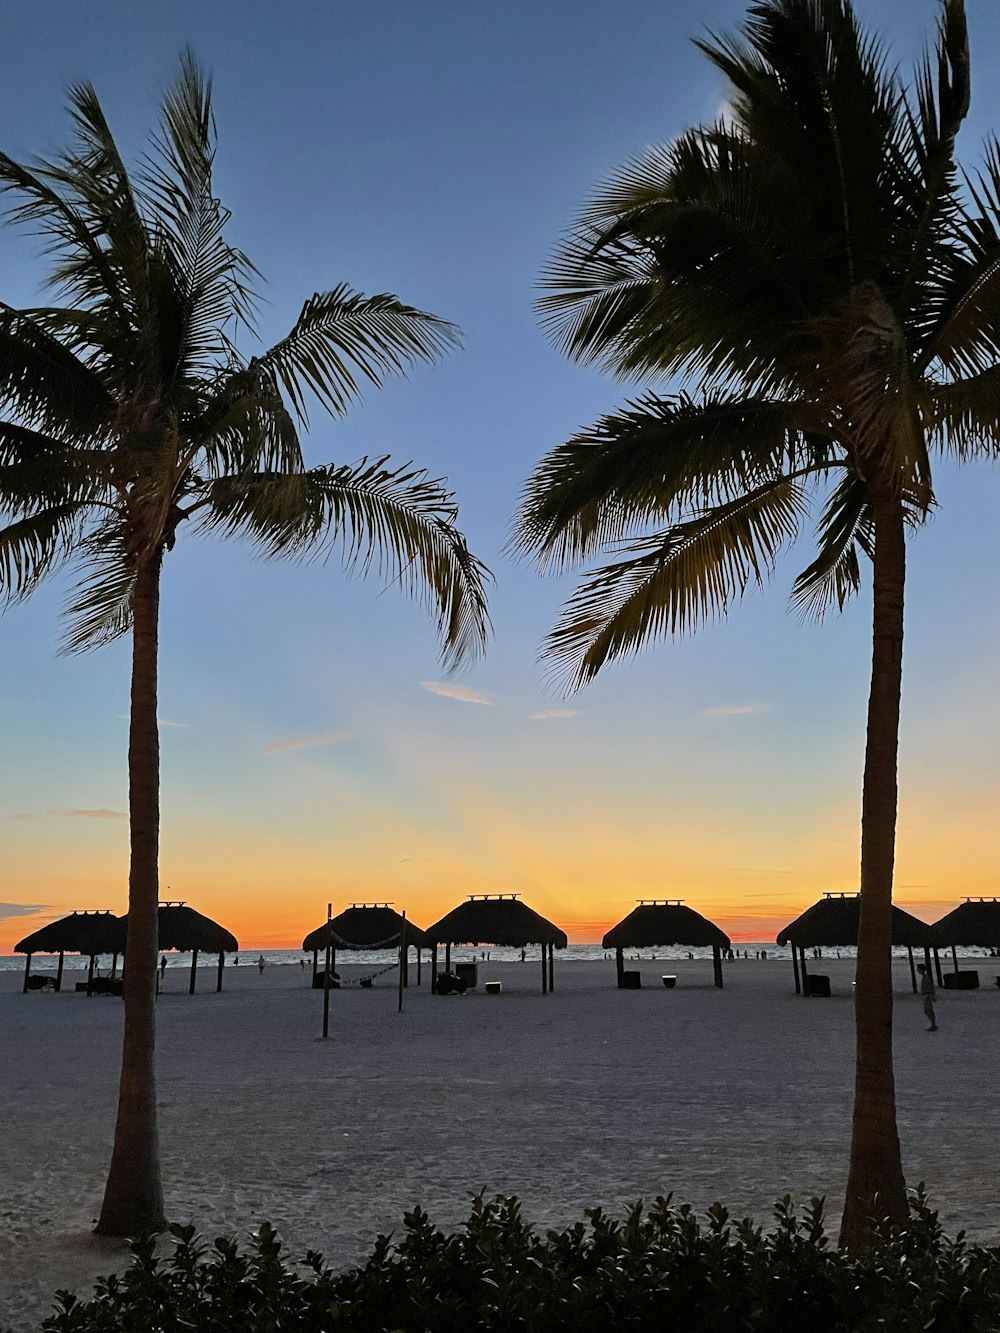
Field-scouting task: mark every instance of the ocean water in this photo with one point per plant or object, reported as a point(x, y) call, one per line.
point(459, 953)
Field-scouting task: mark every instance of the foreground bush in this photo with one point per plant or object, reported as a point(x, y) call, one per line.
point(662, 1270)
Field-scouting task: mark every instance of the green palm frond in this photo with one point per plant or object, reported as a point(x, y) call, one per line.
point(342, 337)
point(396, 521)
point(34, 546)
point(45, 384)
point(243, 426)
point(673, 581)
point(964, 416)
point(99, 609)
point(652, 461)
point(835, 575)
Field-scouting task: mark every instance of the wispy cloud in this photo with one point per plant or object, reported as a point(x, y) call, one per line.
point(23, 814)
point(310, 742)
point(736, 710)
point(462, 693)
point(21, 909)
point(92, 814)
point(545, 713)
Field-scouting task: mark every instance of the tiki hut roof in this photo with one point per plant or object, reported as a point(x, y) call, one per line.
point(976, 922)
point(657, 922)
point(833, 921)
point(80, 932)
point(366, 926)
point(182, 928)
point(500, 919)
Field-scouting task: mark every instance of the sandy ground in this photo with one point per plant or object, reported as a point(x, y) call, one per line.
point(590, 1095)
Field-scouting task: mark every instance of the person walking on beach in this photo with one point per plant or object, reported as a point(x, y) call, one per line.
point(928, 992)
point(163, 964)
point(260, 964)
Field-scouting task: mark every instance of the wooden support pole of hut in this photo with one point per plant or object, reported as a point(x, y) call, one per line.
point(620, 966)
point(218, 975)
point(194, 971)
point(315, 965)
point(717, 965)
point(927, 959)
point(326, 975)
point(545, 975)
point(552, 967)
point(434, 970)
point(447, 956)
point(795, 969)
point(403, 955)
point(59, 969)
point(802, 968)
point(954, 957)
point(913, 970)
point(419, 978)
point(90, 976)
point(937, 967)
point(27, 974)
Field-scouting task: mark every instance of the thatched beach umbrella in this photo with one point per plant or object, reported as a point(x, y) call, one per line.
point(181, 928)
point(972, 924)
point(833, 923)
point(660, 922)
point(88, 933)
point(499, 919)
point(366, 926)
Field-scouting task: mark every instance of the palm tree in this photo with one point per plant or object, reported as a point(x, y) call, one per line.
point(130, 416)
point(814, 268)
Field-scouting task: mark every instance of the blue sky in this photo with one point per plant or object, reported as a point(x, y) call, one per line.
point(436, 150)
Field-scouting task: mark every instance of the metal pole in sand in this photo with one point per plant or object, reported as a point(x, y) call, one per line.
point(326, 975)
point(402, 963)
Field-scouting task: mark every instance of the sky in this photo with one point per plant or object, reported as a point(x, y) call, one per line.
point(312, 748)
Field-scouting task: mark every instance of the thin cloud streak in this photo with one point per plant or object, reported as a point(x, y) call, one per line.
point(8, 910)
point(92, 814)
point(546, 713)
point(462, 693)
point(310, 742)
point(736, 710)
point(23, 814)
point(160, 721)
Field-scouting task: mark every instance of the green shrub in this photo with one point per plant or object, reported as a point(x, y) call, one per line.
point(661, 1270)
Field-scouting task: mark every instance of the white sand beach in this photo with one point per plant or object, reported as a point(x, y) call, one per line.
point(587, 1096)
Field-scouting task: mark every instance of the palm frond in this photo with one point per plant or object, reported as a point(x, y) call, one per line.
point(45, 385)
point(671, 582)
point(342, 337)
point(835, 575)
point(34, 546)
point(964, 415)
point(100, 607)
point(650, 462)
point(395, 521)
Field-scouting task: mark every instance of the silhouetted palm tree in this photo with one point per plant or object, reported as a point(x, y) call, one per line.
point(131, 415)
point(814, 268)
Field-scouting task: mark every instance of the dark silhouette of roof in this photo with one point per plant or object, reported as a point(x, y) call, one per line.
point(658, 922)
point(81, 932)
point(833, 921)
point(182, 928)
point(976, 922)
point(366, 926)
point(500, 919)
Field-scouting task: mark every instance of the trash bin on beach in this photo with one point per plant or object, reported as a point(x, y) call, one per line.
point(817, 984)
point(631, 981)
point(670, 980)
point(467, 972)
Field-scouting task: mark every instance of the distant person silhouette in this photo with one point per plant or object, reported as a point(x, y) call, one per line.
point(928, 992)
point(163, 965)
point(260, 964)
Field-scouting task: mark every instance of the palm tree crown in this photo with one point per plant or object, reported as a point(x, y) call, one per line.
point(818, 272)
point(128, 409)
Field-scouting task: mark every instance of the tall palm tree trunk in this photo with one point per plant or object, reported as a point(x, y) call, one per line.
point(875, 1184)
point(133, 1196)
